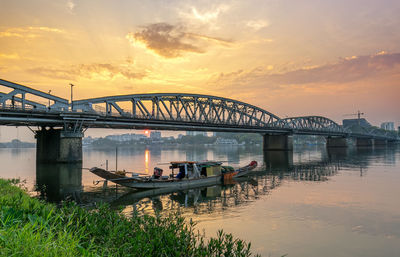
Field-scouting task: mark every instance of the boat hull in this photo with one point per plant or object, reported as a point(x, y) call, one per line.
point(173, 184)
point(148, 183)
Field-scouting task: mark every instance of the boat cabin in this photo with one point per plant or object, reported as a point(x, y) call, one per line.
point(191, 169)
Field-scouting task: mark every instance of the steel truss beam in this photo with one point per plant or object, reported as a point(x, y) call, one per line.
point(23, 101)
point(184, 107)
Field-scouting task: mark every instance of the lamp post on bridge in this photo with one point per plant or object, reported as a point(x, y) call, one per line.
point(72, 103)
point(49, 99)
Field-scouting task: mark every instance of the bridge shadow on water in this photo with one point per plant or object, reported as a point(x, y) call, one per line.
point(58, 182)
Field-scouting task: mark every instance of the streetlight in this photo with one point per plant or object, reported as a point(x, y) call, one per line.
point(72, 104)
point(49, 98)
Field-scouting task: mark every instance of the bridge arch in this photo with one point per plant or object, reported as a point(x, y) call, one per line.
point(313, 123)
point(182, 107)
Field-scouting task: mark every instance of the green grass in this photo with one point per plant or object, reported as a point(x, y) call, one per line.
point(30, 227)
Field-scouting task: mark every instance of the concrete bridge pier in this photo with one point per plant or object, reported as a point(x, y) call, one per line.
point(58, 146)
point(277, 142)
point(333, 142)
point(380, 142)
point(364, 142)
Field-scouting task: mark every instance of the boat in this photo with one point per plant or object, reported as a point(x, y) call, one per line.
point(243, 171)
point(190, 174)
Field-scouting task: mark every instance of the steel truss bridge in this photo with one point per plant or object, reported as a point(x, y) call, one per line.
point(25, 106)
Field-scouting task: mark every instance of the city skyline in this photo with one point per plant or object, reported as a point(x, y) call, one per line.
point(289, 58)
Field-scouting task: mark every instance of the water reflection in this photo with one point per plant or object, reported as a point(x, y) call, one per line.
point(56, 182)
point(219, 198)
point(146, 161)
point(278, 160)
point(277, 169)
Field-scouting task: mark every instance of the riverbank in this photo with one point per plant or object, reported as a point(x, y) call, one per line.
point(30, 227)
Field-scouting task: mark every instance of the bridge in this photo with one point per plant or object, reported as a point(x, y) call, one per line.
point(62, 122)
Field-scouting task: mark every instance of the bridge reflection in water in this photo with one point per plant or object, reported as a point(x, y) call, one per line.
point(56, 182)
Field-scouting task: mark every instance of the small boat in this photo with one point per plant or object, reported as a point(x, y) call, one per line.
point(243, 171)
point(190, 174)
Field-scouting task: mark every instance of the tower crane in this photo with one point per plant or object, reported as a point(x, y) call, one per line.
point(358, 115)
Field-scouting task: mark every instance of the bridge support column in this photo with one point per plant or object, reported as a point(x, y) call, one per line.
point(56, 145)
point(336, 142)
point(380, 142)
point(364, 142)
point(278, 142)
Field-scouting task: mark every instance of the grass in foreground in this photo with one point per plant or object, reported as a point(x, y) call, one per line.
point(30, 227)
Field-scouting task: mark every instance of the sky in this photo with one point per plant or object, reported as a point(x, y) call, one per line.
point(291, 58)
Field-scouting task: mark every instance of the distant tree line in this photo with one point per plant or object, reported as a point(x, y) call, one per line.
point(15, 143)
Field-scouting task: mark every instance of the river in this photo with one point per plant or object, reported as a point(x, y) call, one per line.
point(313, 202)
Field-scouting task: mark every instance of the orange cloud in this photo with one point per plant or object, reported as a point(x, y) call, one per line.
point(346, 70)
point(29, 32)
point(171, 41)
point(102, 71)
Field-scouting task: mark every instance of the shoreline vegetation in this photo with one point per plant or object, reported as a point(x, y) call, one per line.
point(31, 227)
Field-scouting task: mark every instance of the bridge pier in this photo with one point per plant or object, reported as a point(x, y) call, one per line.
point(277, 142)
point(336, 142)
point(362, 142)
point(58, 146)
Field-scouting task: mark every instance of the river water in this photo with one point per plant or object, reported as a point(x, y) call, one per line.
point(314, 202)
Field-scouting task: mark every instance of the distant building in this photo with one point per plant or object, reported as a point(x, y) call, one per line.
point(126, 137)
point(155, 134)
point(195, 133)
point(353, 122)
point(388, 126)
point(226, 141)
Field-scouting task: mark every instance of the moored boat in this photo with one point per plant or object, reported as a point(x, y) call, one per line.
point(190, 174)
point(243, 171)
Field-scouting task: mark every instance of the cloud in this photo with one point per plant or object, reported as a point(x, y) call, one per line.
point(171, 41)
point(192, 15)
point(9, 56)
point(257, 24)
point(101, 71)
point(208, 16)
point(29, 32)
point(346, 70)
point(70, 6)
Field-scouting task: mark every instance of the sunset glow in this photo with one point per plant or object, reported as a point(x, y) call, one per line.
point(291, 58)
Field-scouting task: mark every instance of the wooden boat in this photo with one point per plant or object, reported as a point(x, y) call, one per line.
point(191, 174)
point(243, 171)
